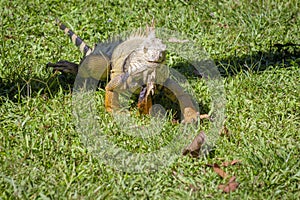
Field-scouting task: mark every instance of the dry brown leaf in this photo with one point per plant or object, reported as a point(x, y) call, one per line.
point(232, 179)
point(225, 164)
point(230, 187)
point(194, 148)
point(235, 162)
point(229, 163)
point(219, 171)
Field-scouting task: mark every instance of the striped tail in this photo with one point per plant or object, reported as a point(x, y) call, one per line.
point(84, 48)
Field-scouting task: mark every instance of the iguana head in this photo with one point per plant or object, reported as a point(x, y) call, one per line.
point(154, 52)
point(153, 49)
point(146, 63)
point(147, 58)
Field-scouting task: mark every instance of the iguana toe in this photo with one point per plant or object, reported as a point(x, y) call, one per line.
point(64, 66)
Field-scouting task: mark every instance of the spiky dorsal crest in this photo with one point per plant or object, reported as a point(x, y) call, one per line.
point(143, 33)
point(150, 29)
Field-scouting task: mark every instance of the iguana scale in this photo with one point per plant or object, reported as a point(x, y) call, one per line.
point(132, 64)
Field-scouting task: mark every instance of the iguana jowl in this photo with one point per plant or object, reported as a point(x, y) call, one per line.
point(134, 64)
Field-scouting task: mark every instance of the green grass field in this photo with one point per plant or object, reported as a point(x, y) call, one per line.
point(41, 154)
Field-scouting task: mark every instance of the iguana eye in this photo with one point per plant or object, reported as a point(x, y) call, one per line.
point(145, 50)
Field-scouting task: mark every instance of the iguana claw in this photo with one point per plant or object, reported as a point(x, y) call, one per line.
point(64, 66)
point(190, 116)
point(144, 102)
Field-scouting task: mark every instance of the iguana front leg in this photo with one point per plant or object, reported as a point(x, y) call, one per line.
point(173, 91)
point(111, 95)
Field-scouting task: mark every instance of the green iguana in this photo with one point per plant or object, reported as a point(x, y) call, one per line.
point(135, 64)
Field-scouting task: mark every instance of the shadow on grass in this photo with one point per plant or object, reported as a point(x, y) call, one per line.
point(19, 87)
point(279, 55)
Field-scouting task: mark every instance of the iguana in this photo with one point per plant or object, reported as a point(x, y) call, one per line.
point(135, 64)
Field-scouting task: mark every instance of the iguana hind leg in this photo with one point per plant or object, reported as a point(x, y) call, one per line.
point(111, 101)
point(92, 66)
point(111, 95)
point(95, 66)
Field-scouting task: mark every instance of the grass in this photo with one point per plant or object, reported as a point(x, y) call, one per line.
point(42, 155)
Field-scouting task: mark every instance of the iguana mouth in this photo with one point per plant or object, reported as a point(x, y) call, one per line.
point(158, 58)
point(158, 62)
